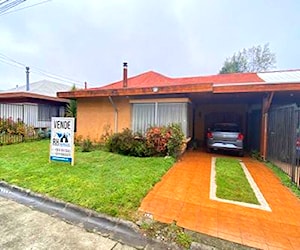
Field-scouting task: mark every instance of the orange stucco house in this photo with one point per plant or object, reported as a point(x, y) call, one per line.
point(195, 102)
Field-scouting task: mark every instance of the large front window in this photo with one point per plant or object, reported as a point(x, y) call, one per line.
point(159, 113)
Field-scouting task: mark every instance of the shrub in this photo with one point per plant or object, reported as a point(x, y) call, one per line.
point(87, 145)
point(15, 131)
point(78, 140)
point(11, 127)
point(127, 143)
point(176, 140)
point(120, 142)
point(158, 141)
point(107, 132)
point(139, 147)
point(165, 140)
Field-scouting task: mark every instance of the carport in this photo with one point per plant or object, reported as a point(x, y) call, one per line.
point(241, 108)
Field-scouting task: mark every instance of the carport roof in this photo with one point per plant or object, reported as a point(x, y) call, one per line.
point(153, 83)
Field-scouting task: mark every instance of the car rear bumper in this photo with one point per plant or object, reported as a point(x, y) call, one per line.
point(225, 146)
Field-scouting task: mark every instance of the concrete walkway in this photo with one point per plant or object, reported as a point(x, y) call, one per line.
point(24, 228)
point(183, 196)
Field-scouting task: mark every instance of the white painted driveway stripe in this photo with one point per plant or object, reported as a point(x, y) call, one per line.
point(213, 189)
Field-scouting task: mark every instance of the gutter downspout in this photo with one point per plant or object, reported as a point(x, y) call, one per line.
point(116, 114)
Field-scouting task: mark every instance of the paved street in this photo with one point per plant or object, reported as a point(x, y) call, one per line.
point(24, 228)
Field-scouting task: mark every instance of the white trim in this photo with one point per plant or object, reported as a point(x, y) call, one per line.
point(252, 83)
point(160, 100)
point(213, 189)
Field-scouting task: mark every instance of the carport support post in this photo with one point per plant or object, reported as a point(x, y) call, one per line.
point(267, 101)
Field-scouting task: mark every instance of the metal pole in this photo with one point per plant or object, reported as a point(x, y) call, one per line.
point(27, 78)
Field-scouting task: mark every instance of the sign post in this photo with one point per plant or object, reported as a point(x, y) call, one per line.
point(62, 139)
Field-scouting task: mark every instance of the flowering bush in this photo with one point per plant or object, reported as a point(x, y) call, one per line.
point(9, 126)
point(158, 141)
point(165, 140)
point(15, 131)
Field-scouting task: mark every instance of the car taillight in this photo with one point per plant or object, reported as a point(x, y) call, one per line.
point(209, 135)
point(240, 137)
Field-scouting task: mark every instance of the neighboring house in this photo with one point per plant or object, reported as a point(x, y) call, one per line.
point(195, 102)
point(34, 104)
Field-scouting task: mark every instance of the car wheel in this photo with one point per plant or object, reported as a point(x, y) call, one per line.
point(208, 150)
point(241, 153)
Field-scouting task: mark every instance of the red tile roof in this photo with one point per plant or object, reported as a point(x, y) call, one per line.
point(154, 79)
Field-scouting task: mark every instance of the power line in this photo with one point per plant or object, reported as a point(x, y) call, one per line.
point(30, 6)
point(35, 70)
point(5, 6)
point(4, 57)
point(11, 64)
point(3, 2)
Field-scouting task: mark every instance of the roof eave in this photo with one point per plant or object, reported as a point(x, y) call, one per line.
point(177, 89)
point(255, 87)
point(192, 88)
point(19, 95)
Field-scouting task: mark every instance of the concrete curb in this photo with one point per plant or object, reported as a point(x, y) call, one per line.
point(120, 230)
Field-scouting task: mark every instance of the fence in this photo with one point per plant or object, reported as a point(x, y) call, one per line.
point(284, 140)
point(10, 139)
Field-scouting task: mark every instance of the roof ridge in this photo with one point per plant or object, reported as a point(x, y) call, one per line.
point(134, 77)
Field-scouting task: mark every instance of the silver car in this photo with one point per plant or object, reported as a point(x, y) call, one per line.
point(225, 136)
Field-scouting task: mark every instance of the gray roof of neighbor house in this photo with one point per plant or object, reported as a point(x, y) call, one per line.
point(43, 87)
point(38, 92)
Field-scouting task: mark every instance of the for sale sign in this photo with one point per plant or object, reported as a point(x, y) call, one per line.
point(62, 139)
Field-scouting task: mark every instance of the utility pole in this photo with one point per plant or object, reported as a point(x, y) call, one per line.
point(27, 78)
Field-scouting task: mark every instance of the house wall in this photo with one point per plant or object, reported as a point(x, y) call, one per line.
point(202, 110)
point(96, 116)
point(26, 112)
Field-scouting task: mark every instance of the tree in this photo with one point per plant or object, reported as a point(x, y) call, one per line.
point(256, 59)
point(71, 109)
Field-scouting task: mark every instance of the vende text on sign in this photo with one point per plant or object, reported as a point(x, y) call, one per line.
point(62, 139)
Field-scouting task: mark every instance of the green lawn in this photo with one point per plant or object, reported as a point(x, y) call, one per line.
point(284, 178)
point(232, 183)
point(102, 181)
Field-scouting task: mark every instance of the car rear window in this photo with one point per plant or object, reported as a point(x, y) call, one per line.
point(226, 128)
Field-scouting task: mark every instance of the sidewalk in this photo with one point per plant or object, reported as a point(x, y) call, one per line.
point(24, 228)
point(183, 196)
point(33, 221)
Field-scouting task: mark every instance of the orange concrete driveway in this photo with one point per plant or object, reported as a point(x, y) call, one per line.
point(183, 196)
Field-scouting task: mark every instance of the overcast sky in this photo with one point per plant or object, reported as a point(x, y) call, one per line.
point(88, 40)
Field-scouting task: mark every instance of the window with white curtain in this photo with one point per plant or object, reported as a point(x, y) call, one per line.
point(145, 115)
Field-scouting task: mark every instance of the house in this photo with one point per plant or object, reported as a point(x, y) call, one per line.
point(195, 102)
point(34, 104)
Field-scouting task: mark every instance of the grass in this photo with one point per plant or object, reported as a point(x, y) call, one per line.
point(232, 183)
point(102, 181)
point(284, 178)
point(167, 232)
